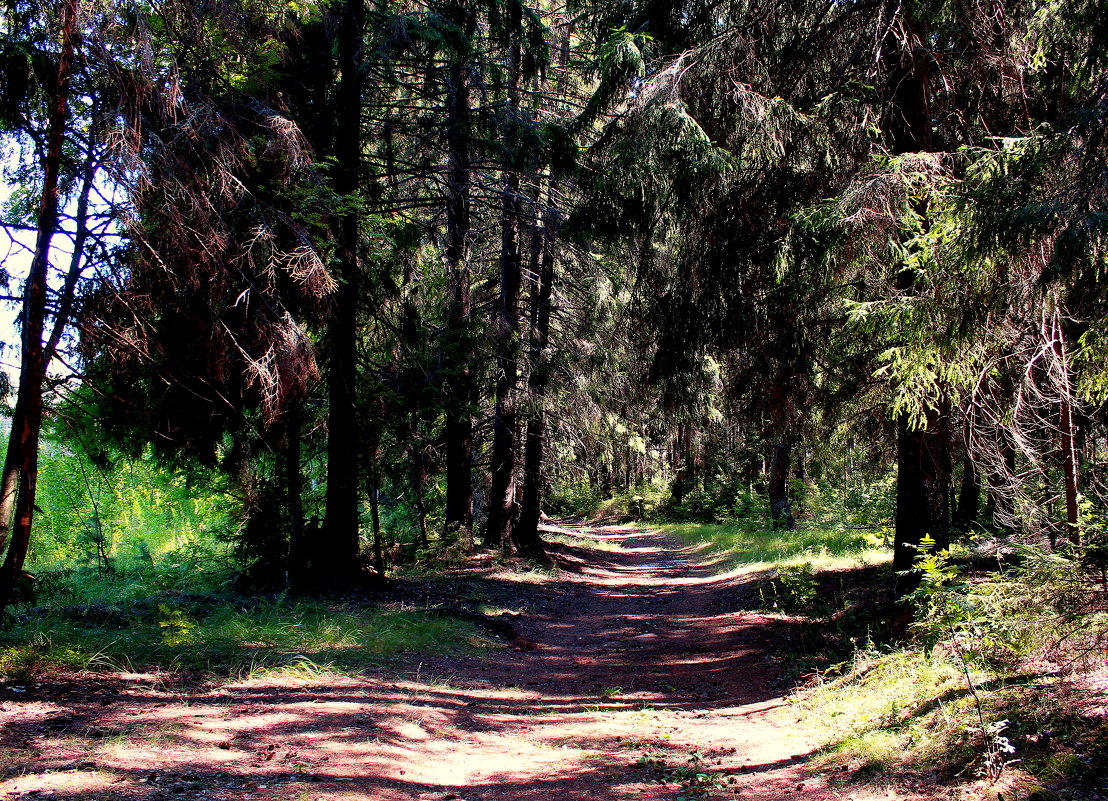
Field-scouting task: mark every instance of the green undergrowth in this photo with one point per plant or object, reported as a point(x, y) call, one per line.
point(987, 685)
point(982, 674)
point(134, 623)
point(753, 545)
point(583, 542)
point(910, 716)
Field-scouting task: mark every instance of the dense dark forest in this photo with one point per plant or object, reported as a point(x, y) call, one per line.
point(313, 295)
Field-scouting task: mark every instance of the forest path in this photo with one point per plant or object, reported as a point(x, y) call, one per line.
point(639, 667)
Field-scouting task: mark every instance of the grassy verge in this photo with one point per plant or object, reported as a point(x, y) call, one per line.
point(583, 542)
point(992, 687)
point(128, 624)
point(753, 546)
point(919, 718)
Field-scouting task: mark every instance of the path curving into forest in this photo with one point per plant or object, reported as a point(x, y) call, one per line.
point(633, 655)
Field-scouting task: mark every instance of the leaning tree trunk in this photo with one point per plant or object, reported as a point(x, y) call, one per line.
point(21, 465)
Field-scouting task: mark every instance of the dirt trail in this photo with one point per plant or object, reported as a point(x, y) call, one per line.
point(642, 655)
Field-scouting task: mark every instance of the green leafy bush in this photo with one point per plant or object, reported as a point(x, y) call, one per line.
point(794, 587)
point(577, 499)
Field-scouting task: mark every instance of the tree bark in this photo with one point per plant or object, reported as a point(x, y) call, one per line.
point(21, 463)
point(922, 492)
point(678, 458)
point(969, 499)
point(505, 443)
point(419, 478)
point(1067, 431)
point(780, 504)
point(458, 386)
point(374, 479)
point(294, 493)
point(923, 455)
point(337, 557)
point(526, 533)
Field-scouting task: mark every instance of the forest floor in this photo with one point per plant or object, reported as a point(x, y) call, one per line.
point(638, 671)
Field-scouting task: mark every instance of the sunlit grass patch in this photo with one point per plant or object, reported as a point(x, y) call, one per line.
point(758, 547)
point(892, 710)
point(39, 655)
point(296, 637)
point(881, 690)
point(583, 542)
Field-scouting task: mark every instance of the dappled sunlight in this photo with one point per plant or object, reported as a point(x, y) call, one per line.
point(61, 783)
point(641, 657)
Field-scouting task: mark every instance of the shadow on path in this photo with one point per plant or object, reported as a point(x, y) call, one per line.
point(643, 655)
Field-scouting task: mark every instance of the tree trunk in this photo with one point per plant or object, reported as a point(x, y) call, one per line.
point(780, 504)
point(419, 478)
point(800, 472)
point(294, 493)
point(969, 499)
point(923, 455)
point(336, 558)
point(374, 488)
point(678, 459)
point(21, 464)
point(9, 482)
point(505, 442)
point(1067, 431)
point(458, 385)
point(922, 492)
point(526, 532)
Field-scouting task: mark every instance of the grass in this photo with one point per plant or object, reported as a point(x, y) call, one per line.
point(753, 546)
point(904, 713)
point(909, 715)
point(183, 616)
point(978, 690)
point(885, 707)
point(290, 637)
point(583, 542)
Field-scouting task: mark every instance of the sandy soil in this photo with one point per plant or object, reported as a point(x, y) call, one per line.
point(636, 669)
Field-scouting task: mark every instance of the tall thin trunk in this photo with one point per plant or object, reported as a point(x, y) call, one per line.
point(1067, 430)
point(77, 263)
point(505, 442)
point(22, 456)
point(339, 546)
point(419, 478)
point(677, 454)
point(458, 388)
point(800, 473)
point(526, 533)
point(374, 480)
point(294, 494)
